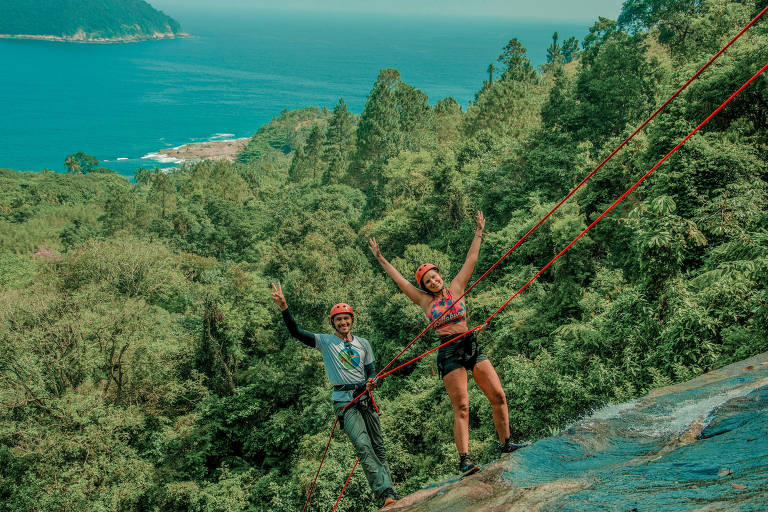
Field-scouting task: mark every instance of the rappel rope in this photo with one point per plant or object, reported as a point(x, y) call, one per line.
point(582, 182)
point(617, 201)
point(312, 488)
point(345, 486)
point(382, 373)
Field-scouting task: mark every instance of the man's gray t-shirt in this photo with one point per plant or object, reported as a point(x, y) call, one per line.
point(344, 361)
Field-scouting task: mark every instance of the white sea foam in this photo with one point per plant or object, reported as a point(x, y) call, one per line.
point(122, 158)
point(163, 159)
point(222, 135)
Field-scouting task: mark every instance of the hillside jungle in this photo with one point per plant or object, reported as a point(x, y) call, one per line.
point(144, 366)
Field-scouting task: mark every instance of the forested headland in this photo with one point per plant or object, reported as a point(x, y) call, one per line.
point(85, 20)
point(144, 366)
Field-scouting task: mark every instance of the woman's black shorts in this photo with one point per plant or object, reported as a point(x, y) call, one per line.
point(462, 353)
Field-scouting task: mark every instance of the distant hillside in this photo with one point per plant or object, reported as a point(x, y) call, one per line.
point(284, 134)
point(85, 20)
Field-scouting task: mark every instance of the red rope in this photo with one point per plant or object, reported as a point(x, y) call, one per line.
point(629, 190)
point(413, 360)
point(375, 407)
point(432, 350)
point(582, 182)
point(617, 201)
point(345, 486)
point(382, 373)
point(312, 488)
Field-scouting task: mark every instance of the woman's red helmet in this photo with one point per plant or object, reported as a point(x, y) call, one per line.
point(423, 269)
point(341, 307)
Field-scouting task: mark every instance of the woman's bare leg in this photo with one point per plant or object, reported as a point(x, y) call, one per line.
point(488, 381)
point(456, 384)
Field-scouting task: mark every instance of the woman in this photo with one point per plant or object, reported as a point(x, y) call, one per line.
point(462, 355)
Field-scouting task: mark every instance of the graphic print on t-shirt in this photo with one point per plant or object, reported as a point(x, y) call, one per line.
point(349, 358)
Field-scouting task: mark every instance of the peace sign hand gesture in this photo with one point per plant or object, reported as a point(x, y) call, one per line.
point(278, 297)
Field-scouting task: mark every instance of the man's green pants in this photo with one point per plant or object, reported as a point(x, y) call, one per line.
point(361, 423)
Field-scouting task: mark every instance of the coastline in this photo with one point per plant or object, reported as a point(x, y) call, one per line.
point(196, 151)
point(82, 37)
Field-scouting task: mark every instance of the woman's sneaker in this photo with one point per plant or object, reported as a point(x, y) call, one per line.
point(508, 446)
point(466, 466)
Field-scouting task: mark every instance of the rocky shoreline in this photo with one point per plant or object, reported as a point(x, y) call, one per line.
point(195, 151)
point(82, 37)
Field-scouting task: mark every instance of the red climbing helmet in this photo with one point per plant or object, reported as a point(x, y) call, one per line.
point(341, 307)
point(423, 269)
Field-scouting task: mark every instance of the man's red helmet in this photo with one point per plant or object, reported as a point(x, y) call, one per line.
point(423, 269)
point(341, 307)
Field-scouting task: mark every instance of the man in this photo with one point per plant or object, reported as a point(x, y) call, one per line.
point(349, 365)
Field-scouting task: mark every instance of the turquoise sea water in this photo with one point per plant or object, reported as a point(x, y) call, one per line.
point(121, 102)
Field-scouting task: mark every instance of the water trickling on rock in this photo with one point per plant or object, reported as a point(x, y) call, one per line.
point(699, 445)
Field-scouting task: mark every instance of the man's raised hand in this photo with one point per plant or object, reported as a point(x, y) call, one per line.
point(278, 297)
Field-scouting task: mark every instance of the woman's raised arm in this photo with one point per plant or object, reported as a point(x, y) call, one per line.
point(462, 278)
point(413, 293)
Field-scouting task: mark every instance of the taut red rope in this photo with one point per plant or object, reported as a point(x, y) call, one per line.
point(345, 486)
point(312, 487)
point(617, 201)
point(587, 178)
point(384, 373)
point(629, 190)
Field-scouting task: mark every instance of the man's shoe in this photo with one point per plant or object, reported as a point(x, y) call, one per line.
point(390, 497)
point(508, 446)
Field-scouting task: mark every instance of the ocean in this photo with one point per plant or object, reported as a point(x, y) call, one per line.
point(123, 102)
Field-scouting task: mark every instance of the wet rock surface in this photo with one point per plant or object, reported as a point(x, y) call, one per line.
point(701, 445)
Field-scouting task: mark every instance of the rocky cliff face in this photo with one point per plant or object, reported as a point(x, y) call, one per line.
point(701, 445)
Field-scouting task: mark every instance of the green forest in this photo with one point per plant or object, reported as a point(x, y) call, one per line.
point(144, 365)
point(97, 18)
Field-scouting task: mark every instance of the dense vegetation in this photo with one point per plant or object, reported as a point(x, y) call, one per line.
point(143, 365)
point(98, 19)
